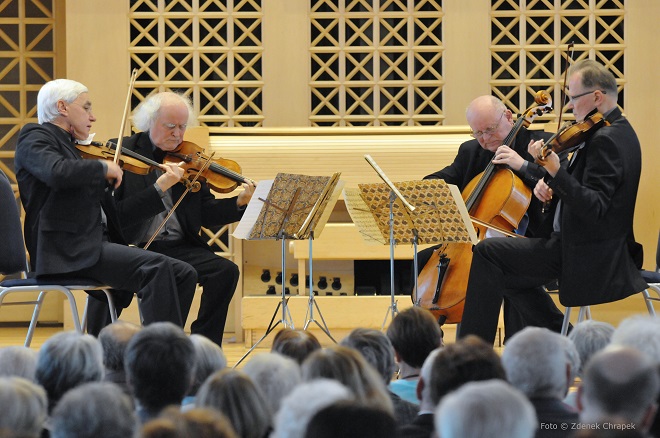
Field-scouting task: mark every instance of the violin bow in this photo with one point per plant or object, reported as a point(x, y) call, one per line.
point(563, 88)
point(125, 115)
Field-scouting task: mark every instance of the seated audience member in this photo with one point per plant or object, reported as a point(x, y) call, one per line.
point(233, 393)
point(490, 408)
point(67, 360)
point(414, 333)
point(193, 423)
point(298, 408)
point(275, 375)
point(94, 410)
point(18, 361)
point(114, 338)
point(589, 337)
point(351, 420)
point(422, 426)
point(619, 382)
point(209, 358)
point(349, 368)
point(534, 364)
point(24, 408)
point(377, 349)
point(159, 362)
point(296, 344)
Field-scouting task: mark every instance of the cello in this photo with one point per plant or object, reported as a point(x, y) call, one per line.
point(496, 199)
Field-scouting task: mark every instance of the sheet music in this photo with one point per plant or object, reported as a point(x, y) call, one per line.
point(249, 219)
point(315, 221)
point(362, 217)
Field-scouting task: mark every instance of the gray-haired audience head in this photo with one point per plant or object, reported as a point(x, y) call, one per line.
point(275, 375)
point(94, 410)
point(303, 403)
point(589, 337)
point(209, 358)
point(24, 408)
point(296, 344)
point(18, 361)
point(489, 408)
point(159, 363)
point(375, 347)
point(619, 382)
point(641, 332)
point(114, 338)
point(536, 363)
point(67, 360)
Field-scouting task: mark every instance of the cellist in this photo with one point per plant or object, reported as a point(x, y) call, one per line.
point(490, 122)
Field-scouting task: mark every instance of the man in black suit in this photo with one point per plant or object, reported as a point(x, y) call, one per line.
point(67, 231)
point(592, 250)
point(162, 119)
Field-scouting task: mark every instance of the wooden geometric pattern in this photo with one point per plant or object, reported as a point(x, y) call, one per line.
point(529, 40)
point(28, 59)
point(211, 50)
point(376, 62)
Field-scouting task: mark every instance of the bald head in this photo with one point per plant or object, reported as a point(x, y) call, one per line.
point(489, 120)
point(114, 339)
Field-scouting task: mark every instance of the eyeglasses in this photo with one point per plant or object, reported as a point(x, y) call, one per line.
point(574, 98)
point(173, 126)
point(490, 130)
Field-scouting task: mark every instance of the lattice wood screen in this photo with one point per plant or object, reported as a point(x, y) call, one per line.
point(376, 62)
point(27, 61)
point(208, 49)
point(529, 39)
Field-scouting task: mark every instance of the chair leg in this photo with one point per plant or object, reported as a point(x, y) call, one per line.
point(585, 313)
point(111, 305)
point(567, 320)
point(35, 318)
point(648, 300)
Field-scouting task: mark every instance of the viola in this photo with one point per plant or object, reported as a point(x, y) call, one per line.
point(573, 134)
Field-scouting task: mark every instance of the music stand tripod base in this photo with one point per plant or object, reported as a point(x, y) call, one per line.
point(311, 303)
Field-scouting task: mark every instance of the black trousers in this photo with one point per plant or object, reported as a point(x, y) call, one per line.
point(164, 285)
point(515, 270)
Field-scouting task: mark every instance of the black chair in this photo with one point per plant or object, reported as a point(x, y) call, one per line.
point(13, 262)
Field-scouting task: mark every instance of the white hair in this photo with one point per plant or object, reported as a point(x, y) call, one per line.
point(18, 361)
point(54, 91)
point(275, 375)
point(589, 337)
point(146, 112)
point(641, 332)
point(491, 408)
point(24, 407)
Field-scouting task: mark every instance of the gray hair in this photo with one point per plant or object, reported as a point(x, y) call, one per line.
point(114, 338)
point(94, 410)
point(594, 75)
point(303, 403)
point(66, 360)
point(641, 332)
point(209, 358)
point(533, 364)
point(52, 92)
point(18, 361)
point(146, 112)
point(489, 408)
point(375, 347)
point(275, 375)
point(589, 337)
point(24, 407)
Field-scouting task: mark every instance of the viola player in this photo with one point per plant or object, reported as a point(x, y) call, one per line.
point(162, 120)
point(592, 249)
point(70, 220)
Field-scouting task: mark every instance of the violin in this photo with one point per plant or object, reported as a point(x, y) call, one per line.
point(129, 160)
point(573, 134)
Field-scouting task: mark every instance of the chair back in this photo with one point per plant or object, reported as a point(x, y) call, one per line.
point(12, 247)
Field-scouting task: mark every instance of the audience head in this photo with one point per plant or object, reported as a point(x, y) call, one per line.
point(424, 383)
point(303, 403)
point(18, 361)
point(469, 359)
point(350, 419)
point(641, 332)
point(209, 358)
point(67, 360)
point(375, 347)
point(275, 375)
point(24, 408)
point(296, 344)
point(236, 396)
point(491, 408)
point(619, 382)
point(114, 338)
point(414, 333)
point(159, 363)
point(589, 337)
point(94, 410)
point(536, 362)
point(194, 423)
point(349, 368)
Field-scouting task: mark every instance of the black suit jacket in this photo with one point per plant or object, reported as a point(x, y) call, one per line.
point(138, 198)
point(600, 258)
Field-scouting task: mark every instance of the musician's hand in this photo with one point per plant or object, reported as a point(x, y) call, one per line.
point(505, 155)
point(542, 191)
point(172, 175)
point(245, 196)
point(113, 173)
point(550, 162)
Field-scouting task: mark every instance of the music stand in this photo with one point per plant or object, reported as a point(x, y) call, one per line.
point(427, 212)
point(288, 207)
